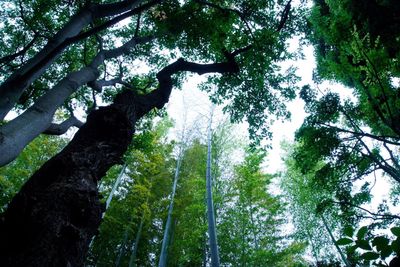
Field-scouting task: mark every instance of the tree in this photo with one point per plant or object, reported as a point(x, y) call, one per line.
point(343, 141)
point(303, 196)
point(53, 218)
point(167, 230)
point(188, 237)
point(252, 220)
point(212, 231)
point(354, 48)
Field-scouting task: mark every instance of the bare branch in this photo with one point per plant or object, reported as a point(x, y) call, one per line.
point(99, 84)
point(380, 138)
point(62, 128)
point(138, 24)
point(160, 96)
point(284, 16)
point(386, 215)
point(19, 53)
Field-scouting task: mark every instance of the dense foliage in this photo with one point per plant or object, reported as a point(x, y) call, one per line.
point(75, 57)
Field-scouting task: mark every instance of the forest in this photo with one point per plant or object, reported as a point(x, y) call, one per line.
point(95, 170)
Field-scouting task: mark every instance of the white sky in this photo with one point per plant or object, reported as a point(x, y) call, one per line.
point(197, 104)
point(197, 108)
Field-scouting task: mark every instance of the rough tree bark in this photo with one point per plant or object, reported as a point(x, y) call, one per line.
point(53, 218)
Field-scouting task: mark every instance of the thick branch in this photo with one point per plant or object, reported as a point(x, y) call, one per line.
point(19, 132)
point(13, 87)
point(99, 84)
point(159, 97)
point(284, 17)
point(19, 53)
point(62, 128)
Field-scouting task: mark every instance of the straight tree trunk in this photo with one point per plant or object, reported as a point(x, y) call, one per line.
point(121, 251)
point(313, 250)
point(210, 205)
point(328, 229)
point(52, 219)
point(110, 197)
point(132, 259)
point(253, 226)
point(165, 243)
point(115, 186)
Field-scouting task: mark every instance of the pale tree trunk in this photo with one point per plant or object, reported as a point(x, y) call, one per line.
point(135, 244)
point(121, 251)
point(165, 243)
point(328, 229)
point(110, 197)
point(254, 230)
point(210, 205)
point(18, 133)
point(115, 186)
point(132, 259)
point(313, 250)
point(52, 219)
point(13, 87)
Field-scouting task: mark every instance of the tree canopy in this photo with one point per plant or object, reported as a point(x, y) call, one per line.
point(107, 67)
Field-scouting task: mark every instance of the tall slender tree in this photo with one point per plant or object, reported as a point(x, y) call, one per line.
point(212, 229)
point(167, 229)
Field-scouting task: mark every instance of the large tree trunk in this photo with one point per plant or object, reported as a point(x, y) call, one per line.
point(53, 218)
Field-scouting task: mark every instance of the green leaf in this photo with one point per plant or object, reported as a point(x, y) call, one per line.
point(351, 249)
point(386, 252)
point(344, 241)
point(363, 244)
point(361, 232)
point(396, 246)
point(380, 242)
point(370, 256)
point(348, 231)
point(395, 231)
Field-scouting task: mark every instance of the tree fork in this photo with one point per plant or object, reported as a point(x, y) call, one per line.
point(12, 88)
point(52, 219)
